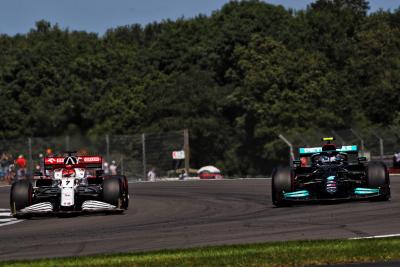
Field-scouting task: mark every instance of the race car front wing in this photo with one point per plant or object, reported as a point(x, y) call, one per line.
point(47, 208)
point(358, 193)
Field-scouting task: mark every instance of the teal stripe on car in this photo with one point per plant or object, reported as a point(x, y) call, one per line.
point(365, 191)
point(297, 194)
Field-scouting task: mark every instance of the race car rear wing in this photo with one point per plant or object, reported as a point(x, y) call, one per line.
point(308, 151)
point(77, 162)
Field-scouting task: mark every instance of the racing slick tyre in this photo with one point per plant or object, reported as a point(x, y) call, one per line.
point(20, 196)
point(281, 181)
point(114, 192)
point(125, 191)
point(378, 177)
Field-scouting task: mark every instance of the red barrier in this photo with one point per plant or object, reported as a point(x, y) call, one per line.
point(394, 170)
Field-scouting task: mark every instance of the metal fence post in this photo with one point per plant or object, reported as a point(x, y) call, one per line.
point(122, 164)
point(108, 147)
point(291, 158)
point(380, 145)
point(186, 149)
point(30, 165)
point(144, 155)
point(361, 140)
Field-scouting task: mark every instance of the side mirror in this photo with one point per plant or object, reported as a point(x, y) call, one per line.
point(362, 159)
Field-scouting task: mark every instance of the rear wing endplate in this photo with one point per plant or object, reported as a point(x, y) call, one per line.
point(308, 151)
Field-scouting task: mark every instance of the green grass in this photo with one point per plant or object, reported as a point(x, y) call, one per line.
point(292, 253)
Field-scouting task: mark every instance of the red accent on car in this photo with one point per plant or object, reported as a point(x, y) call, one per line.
point(208, 175)
point(81, 159)
point(83, 162)
point(90, 159)
point(53, 161)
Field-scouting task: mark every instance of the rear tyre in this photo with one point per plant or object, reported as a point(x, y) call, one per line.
point(20, 197)
point(281, 181)
point(378, 177)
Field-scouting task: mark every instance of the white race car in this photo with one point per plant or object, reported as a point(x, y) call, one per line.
point(71, 184)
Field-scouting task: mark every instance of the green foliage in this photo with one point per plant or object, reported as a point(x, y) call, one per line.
point(236, 79)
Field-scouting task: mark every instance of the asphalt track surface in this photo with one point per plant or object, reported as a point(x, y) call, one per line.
point(167, 215)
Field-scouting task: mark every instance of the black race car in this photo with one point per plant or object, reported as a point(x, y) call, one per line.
point(330, 175)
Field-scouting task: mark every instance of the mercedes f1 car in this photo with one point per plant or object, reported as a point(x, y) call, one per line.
point(70, 184)
point(330, 175)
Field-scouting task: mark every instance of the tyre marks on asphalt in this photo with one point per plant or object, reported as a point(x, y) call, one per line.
point(6, 218)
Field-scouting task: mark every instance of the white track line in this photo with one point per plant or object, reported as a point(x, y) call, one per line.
point(8, 220)
point(374, 236)
point(11, 222)
point(7, 185)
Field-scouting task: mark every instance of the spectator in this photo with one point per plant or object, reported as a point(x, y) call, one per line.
point(9, 161)
point(10, 173)
point(49, 152)
point(183, 175)
point(38, 172)
point(3, 165)
point(396, 160)
point(21, 164)
point(151, 175)
point(41, 164)
point(106, 168)
point(113, 168)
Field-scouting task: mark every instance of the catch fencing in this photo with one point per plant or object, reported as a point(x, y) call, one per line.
point(374, 143)
point(134, 155)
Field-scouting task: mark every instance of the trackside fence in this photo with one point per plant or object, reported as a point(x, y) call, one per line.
point(134, 155)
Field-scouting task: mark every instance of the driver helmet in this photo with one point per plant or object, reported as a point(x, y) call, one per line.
point(68, 172)
point(324, 159)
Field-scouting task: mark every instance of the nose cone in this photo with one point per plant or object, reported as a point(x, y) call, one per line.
point(331, 185)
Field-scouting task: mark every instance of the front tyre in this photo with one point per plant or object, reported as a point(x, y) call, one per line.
point(378, 177)
point(20, 196)
point(125, 191)
point(281, 182)
point(115, 192)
